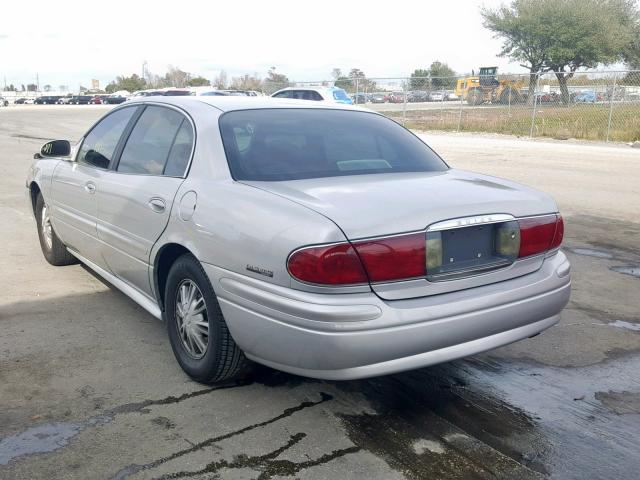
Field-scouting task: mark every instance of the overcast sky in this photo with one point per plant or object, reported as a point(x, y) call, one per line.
point(69, 43)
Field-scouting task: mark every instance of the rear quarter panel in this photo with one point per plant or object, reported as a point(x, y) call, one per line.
point(234, 225)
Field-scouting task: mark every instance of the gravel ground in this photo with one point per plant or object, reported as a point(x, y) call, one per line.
point(89, 388)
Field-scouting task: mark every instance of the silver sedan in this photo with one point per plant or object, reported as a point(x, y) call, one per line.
point(319, 239)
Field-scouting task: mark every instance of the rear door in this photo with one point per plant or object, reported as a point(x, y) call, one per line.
point(135, 200)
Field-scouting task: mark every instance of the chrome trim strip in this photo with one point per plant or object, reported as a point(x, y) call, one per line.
point(470, 221)
point(141, 299)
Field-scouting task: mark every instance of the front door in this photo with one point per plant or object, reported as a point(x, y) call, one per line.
point(135, 199)
point(75, 185)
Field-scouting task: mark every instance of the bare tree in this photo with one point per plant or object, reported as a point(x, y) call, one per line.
point(221, 80)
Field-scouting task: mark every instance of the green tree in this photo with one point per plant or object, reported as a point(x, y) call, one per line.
point(344, 82)
point(442, 76)
point(198, 82)
point(130, 84)
point(275, 81)
point(563, 35)
point(419, 79)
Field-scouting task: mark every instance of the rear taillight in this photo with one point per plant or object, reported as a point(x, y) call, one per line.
point(404, 257)
point(378, 260)
point(540, 234)
point(394, 258)
point(329, 265)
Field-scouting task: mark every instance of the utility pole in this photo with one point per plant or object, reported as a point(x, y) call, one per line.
point(38, 82)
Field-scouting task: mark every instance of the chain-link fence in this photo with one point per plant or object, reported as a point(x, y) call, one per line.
point(594, 106)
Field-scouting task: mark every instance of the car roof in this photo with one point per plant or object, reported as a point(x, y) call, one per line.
point(232, 103)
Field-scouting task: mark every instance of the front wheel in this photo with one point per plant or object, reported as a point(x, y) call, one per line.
point(53, 249)
point(197, 330)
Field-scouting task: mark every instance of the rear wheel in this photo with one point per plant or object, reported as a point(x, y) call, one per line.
point(197, 330)
point(53, 249)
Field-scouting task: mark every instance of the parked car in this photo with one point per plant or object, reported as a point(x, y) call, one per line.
point(20, 101)
point(66, 100)
point(417, 96)
point(98, 99)
point(114, 99)
point(47, 100)
point(396, 97)
point(451, 95)
point(29, 101)
point(436, 96)
point(278, 238)
point(328, 94)
point(585, 96)
point(377, 98)
point(214, 93)
point(4, 102)
point(359, 98)
point(177, 92)
point(80, 99)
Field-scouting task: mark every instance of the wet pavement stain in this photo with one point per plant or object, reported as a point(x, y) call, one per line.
point(633, 270)
point(45, 438)
point(634, 327)
point(469, 434)
point(567, 411)
point(132, 469)
point(49, 437)
point(589, 252)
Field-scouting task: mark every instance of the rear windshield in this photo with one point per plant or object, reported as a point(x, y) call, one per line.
point(292, 144)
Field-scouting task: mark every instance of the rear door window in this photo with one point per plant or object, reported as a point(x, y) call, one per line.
point(285, 94)
point(150, 142)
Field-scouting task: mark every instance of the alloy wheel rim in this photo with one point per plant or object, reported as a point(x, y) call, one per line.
point(47, 231)
point(192, 321)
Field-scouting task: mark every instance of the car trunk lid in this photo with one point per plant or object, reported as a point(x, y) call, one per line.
point(366, 206)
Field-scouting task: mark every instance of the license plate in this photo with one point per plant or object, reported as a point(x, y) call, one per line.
point(470, 250)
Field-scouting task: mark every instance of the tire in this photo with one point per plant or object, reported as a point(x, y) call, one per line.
point(515, 96)
point(52, 247)
point(210, 358)
point(475, 97)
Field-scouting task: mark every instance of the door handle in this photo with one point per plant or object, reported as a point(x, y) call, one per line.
point(157, 204)
point(90, 187)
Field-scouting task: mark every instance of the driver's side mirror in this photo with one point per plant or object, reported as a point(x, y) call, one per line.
point(54, 148)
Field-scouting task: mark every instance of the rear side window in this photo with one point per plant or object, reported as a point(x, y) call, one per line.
point(285, 94)
point(292, 144)
point(151, 143)
point(100, 143)
point(180, 152)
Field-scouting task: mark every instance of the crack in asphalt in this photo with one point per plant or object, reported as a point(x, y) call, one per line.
point(132, 469)
point(267, 463)
point(49, 437)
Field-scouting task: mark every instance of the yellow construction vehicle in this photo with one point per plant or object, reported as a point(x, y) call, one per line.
point(486, 88)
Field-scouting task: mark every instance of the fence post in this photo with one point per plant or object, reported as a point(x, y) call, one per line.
point(356, 95)
point(535, 105)
point(613, 94)
point(404, 103)
point(460, 112)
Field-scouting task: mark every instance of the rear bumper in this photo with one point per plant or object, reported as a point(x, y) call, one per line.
point(348, 336)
